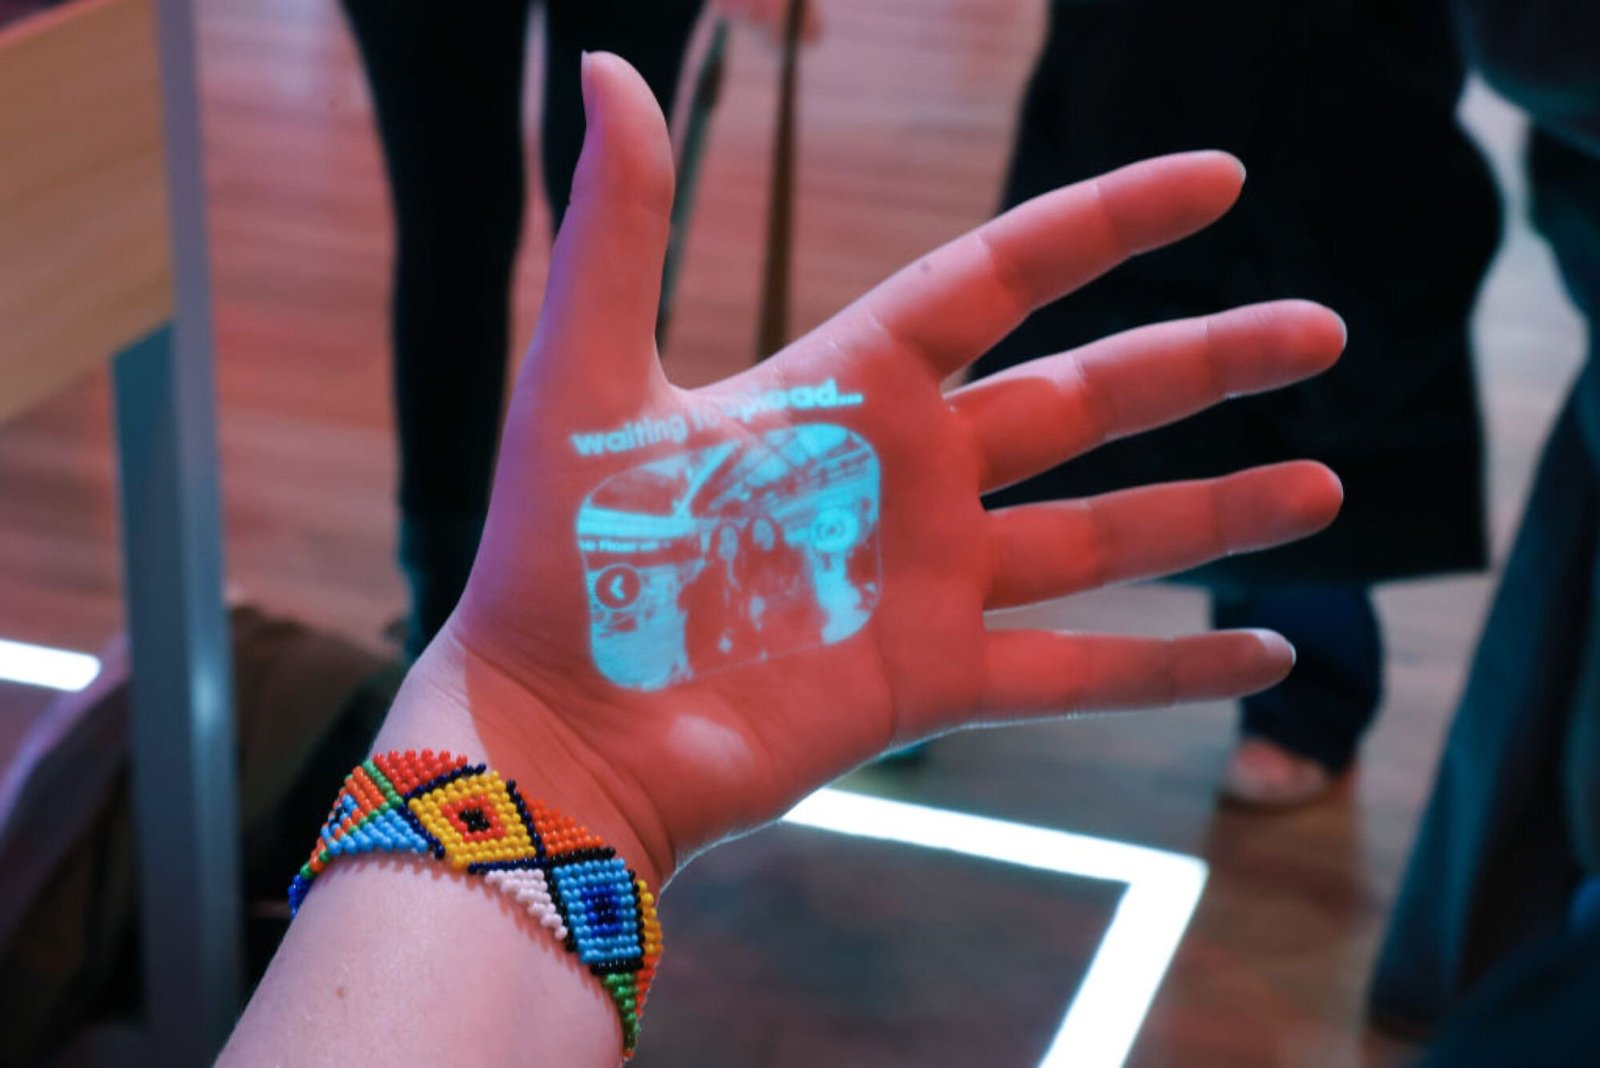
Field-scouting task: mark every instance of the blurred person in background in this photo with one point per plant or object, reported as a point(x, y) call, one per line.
point(447, 86)
point(1366, 194)
point(1497, 927)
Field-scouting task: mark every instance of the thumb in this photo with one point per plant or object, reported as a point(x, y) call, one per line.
point(597, 327)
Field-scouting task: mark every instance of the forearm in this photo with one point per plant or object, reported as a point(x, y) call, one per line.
point(398, 961)
point(399, 957)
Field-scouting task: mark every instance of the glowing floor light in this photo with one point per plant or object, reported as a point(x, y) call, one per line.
point(1163, 889)
point(40, 665)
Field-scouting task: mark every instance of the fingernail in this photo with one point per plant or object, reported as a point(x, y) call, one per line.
point(583, 79)
point(1273, 642)
point(1344, 329)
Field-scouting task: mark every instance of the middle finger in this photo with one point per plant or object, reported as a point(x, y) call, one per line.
point(1041, 413)
point(1040, 551)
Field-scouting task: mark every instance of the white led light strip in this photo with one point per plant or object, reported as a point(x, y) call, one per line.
point(1163, 889)
point(40, 665)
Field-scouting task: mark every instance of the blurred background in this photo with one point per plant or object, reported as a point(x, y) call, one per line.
point(801, 947)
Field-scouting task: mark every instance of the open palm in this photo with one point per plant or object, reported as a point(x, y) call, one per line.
point(695, 753)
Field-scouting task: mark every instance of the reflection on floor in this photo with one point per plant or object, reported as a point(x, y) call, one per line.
point(846, 951)
point(906, 113)
point(1107, 1011)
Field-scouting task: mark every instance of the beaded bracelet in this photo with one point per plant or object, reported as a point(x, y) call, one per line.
point(565, 877)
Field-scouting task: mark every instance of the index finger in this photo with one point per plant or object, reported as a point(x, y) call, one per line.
point(952, 305)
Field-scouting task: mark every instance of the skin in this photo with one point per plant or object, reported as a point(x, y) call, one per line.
point(727, 543)
point(663, 775)
point(770, 16)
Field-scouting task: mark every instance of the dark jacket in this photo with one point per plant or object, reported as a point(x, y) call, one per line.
point(1363, 194)
point(1485, 934)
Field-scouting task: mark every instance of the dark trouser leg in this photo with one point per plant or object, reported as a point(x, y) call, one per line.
point(1492, 868)
point(652, 36)
point(1537, 1009)
point(447, 87)
point(1566, 201)
point(448, 92)
point(1325, 705)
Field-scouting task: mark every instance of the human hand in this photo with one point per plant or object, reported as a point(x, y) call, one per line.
point(696, 732)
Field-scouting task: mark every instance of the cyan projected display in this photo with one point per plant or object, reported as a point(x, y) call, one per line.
point(730, 554)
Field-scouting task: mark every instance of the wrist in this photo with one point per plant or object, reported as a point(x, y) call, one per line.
point(454, 700)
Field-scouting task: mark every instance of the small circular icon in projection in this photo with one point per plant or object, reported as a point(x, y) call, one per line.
point(618, 586)
point(834, 530)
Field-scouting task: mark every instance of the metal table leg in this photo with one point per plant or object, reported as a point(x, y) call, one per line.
point(185, 801)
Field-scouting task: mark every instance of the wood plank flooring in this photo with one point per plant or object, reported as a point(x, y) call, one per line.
point(906, 115)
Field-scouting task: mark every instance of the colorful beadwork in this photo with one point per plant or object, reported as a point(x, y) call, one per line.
point(559, 872)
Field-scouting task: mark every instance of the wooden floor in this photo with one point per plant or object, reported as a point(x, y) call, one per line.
point(907, 112)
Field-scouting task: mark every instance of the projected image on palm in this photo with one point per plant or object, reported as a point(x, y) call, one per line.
point(730, 554)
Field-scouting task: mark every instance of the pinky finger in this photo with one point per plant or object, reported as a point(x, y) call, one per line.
point(1049, 673)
